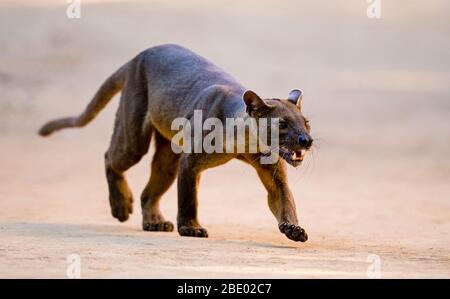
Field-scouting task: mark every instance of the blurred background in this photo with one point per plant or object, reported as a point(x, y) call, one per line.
point(377, 93)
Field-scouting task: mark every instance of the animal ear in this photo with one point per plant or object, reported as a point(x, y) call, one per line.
point(296, 97)
point(253, 102)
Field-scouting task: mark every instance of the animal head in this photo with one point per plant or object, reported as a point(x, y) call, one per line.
point(294, 128)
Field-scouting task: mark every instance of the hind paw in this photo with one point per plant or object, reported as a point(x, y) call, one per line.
point(163, 226)
point(121, 209)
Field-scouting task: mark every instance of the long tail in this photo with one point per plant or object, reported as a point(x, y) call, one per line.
point(109, 88)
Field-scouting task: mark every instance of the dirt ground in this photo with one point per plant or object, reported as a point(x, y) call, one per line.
point(377, 93)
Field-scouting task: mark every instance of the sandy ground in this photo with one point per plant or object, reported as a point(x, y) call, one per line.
point(377, 93)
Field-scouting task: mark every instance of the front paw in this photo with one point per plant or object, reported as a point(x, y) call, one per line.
point(192, 231)
point(293, 232)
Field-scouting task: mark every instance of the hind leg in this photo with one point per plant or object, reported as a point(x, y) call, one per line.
point(129, 143)
point(120, 156)
point(164, 172)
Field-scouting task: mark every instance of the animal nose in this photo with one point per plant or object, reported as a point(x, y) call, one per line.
point(305, 140)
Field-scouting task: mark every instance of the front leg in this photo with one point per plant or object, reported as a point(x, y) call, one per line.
point(280, 199)
point(188, 179)
point(190, 168)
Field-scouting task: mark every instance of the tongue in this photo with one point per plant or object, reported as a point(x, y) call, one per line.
point(297, 156)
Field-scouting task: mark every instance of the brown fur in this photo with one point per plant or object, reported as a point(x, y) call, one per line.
point(166, 82)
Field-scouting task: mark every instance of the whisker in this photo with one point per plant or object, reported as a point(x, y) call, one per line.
point(266, 154)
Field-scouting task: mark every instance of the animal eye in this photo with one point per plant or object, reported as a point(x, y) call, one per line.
point(282, 124)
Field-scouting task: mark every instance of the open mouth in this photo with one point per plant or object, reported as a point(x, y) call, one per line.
point(293, 158)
